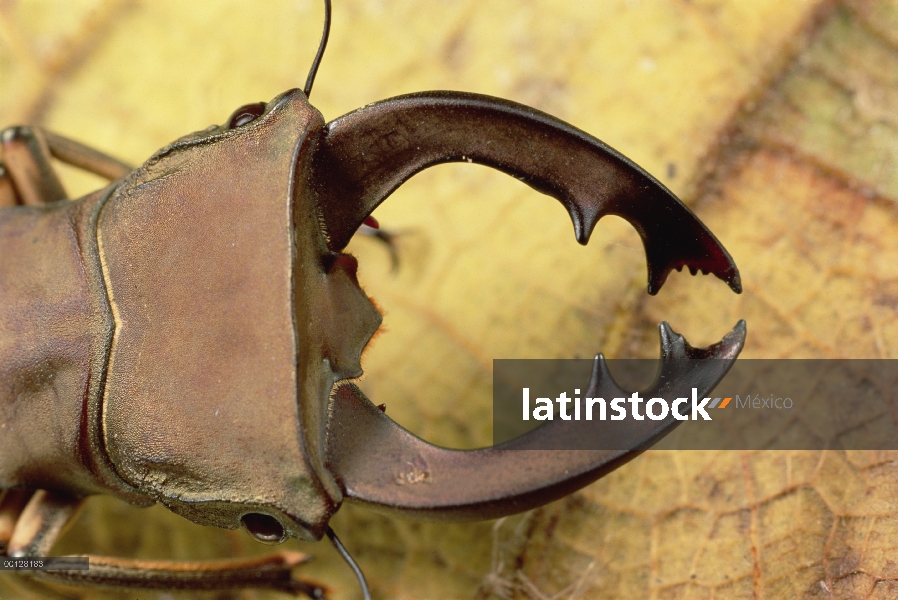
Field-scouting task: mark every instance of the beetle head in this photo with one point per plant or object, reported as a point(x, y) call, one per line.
point(233, 321)
point(236, 314)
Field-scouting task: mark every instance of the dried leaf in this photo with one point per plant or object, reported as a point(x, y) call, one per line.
point(762, 115)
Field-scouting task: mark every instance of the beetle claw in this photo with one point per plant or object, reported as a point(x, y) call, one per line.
point(365, 155)
point(380, 464)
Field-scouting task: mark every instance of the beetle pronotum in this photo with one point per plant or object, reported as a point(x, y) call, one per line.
point(122, 256)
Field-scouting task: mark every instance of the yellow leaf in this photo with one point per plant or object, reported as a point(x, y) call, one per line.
point(774, 120)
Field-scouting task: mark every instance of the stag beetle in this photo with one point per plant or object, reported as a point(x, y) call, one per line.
point(134, 313)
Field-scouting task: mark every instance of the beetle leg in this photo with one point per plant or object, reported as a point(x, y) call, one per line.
point(12, 503)
point(387, 238)
point(7, 190)
point(85, 157)
point(27, 175)
point(47, 514)
point(27, 158)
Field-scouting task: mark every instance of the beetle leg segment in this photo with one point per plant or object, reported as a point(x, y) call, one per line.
point(27, 175)
point(40, 524)
point(387, 238)
point(27, 158)
point(12, 503)
point(385, 467)
point(272, 572)
point(47, 514)
point(84, 157)
point(7, 189)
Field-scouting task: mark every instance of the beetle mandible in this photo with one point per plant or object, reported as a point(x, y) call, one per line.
point(139, 310)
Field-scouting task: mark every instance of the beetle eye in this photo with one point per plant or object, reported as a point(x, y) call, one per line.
point(264, 528)
point(246, 114)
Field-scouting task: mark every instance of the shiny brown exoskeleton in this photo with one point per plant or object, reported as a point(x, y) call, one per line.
point(183, 335)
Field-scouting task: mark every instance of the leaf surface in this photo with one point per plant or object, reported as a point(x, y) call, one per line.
point(775, 121)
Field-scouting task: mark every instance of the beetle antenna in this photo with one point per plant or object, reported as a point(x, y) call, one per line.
point(366, 593)
point(327, 29)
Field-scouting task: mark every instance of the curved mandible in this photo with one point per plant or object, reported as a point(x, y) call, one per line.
point(365, 155)
point(382, 465)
